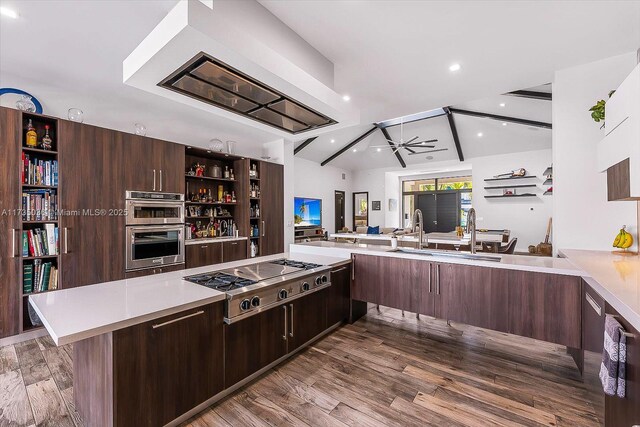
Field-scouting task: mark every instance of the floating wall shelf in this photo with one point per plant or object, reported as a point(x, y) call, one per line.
point(503, 196)
point(506, 179)
point(499, 187)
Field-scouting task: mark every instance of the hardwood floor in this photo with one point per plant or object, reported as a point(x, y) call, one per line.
point(385, 370)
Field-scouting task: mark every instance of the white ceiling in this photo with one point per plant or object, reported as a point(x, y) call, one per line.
point(392, 57)
point(496, 138)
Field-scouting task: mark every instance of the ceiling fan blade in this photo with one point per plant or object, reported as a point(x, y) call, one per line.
point(412, 139)
point(428, 151)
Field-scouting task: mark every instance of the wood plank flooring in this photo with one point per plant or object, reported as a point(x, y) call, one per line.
point(385, 370)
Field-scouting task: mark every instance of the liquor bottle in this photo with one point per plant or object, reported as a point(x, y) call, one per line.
point(47, 142)
point(233, 196)
point(226, 172)
point(233, 177)
point(32, 136)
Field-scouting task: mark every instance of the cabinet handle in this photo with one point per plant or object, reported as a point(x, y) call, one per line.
point(159, 325)
point(429, 277)
point(340, 269)
point(262, 228)
point(593, 303)
point(66, 240)
point(160, 179)
point(154, 180)
point(438, 279)
point(13, 243)
point(353, 267)
point(284, 337)
point(291, 333)
point(234, 243)
point(203, 247)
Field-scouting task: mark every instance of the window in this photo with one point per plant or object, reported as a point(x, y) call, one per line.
point(457, 183)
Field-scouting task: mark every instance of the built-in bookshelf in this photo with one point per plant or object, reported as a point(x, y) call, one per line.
point(255, 222)
point(39, 236)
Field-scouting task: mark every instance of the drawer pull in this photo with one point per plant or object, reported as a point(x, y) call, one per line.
point(593, 304)
point(340, 269)
point(159, 325)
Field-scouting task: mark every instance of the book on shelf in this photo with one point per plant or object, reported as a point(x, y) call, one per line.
point(39, 277)
point(41, 242)
point(39, 172)
point(39, 205)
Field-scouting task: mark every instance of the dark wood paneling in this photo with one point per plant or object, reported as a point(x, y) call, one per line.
point(139, 163)
point(152, 271)
point(93, 380)
point(10, 286)
point(253, 343)
point(170, 159)
point(308, 318)
point(161, 373)
point(203, 254)
point(592, 321)
point(272, 208)
point(92, 187)
point(367, 281)
point(473, 295)
point(618, 181)
point(544, 306)
point(339, 295)
point(626, 412)
point(234, 250)
point(241, 211)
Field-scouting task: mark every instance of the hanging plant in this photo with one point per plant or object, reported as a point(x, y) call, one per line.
point(598, 110)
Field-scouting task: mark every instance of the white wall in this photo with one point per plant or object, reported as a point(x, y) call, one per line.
point(320, 182)
point(582, 216)
point(526, 217)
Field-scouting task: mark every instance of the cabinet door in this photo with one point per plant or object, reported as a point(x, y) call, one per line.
point(339, 295)
point(92, 192)
point(169, 162)
point(592, 319)
point(234, 251)
point(272, 208)
point(308, 318)
point(626, 412)
point(140, 167)
point(544, 306)
point(367, 281)
point(255, 342)
point(10, 218)
point(472, 295)
point(165, 367)
point(203, 254)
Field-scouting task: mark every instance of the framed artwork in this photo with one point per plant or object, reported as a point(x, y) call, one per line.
point(375, 205)
point(393, 205)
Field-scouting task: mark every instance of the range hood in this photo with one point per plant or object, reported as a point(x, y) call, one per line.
point(214, 82)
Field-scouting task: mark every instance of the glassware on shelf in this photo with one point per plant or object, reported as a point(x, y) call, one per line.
point(231, 147)
point(216, 144)
point(75, 115)
point(26, 104)
point(141, 129)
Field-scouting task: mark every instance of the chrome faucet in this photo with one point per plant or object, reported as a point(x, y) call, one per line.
point(417, 225)
point(471, 228)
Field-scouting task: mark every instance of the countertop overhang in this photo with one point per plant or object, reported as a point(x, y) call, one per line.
point(74, 314)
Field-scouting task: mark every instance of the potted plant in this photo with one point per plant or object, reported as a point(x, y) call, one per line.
point(598, 110)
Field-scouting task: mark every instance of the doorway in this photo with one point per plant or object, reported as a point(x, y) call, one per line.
point(440, 211)
point(339, 210)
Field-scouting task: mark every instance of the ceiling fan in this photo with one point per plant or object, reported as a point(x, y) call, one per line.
point(410, 145)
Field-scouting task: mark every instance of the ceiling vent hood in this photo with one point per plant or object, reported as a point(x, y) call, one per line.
point(214, 82)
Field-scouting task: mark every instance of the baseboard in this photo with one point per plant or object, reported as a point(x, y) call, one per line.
point(25, 336)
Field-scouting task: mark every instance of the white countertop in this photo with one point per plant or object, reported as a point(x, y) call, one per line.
point(204, 241)
point(513, 262)
point(438, 238)
point(74, 314)
point(615, 277)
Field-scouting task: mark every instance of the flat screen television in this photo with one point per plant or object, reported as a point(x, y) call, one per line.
point(307, 212)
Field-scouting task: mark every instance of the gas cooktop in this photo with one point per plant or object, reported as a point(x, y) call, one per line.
point(219, 281)
point(295, 264)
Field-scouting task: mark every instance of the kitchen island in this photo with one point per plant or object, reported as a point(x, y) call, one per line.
point(155, 350)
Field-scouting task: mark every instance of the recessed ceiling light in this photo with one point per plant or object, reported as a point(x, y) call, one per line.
point(502, 104)
point(346, 98)
point(354, 150)
point(333, 140)
point(9, 13)
point(429, 157)
point(379, 150)
point(454, 67)
point(504, 123)
point(479, 134)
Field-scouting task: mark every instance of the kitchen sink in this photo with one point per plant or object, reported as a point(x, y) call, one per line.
point(462, 255)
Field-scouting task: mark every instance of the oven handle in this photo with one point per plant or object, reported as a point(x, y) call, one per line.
point(174, 227)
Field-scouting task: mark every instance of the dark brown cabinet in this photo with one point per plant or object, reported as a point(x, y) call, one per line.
point(592, 319)
point(234, 250)
point(307, 318)
point(152, 271)
point(255, 342)
point(203, 254)
point(10, 222)
point(271, 208)
point(152, 164)
point(169, 160)
point(472, 295)
point(339, 296)
point(406, 284)
point(92, 191)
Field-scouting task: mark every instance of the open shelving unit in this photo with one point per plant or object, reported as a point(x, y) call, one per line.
point(255, 223)
point(548, 173)
point(39, 195)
